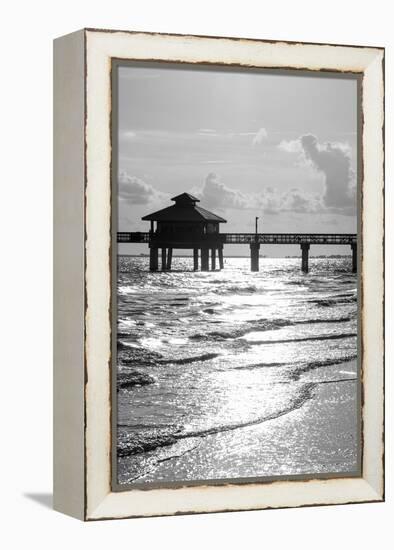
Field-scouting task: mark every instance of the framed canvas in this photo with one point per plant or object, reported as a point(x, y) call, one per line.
point(219, 274)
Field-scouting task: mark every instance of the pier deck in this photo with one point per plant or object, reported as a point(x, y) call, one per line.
point(261, 238)
point(305, 240)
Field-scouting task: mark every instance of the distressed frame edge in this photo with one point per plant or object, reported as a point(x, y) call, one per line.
point(235, 38)
point(69, 495)
point(373, 289)
point(372, 487)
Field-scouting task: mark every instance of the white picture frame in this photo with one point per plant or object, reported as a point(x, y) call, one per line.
point(83, 279)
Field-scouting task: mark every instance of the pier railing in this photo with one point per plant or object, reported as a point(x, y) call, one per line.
point(214, 243)
point(289, 238)
point(133, 237)
point(247, 238)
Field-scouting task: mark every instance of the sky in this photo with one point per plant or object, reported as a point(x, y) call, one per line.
point(282, 147)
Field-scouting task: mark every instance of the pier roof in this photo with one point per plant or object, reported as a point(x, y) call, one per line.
point(184, 210)
point(186, 198)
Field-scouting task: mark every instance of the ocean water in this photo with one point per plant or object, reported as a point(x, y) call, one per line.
point(232, 374)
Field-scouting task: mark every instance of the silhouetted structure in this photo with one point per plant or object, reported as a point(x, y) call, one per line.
point(187, 226)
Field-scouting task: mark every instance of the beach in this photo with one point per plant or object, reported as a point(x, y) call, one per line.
point(236, 375)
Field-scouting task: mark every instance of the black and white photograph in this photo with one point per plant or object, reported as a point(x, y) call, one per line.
point(236, 284)
point(197, 275)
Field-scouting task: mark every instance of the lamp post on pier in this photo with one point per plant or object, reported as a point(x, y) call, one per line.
point(255, 250)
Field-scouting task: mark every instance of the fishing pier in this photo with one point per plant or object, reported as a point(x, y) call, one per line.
point(185, 225)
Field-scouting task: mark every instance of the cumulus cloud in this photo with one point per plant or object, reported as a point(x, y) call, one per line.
point(215, 194)
point(296, 200)
point(260, 136)
point(136, 190)
point(333, 160)
point(292, 146)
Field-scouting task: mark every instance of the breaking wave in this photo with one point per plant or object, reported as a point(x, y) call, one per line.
point(184, 339)
point(262, 325)
point(130, 443)
point(306, 339)
point(301, 366)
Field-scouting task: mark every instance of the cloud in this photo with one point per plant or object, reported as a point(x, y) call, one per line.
point(333, 160)
point(209, 132)
point(292, 146)
point(260, 136)
point(137, 191)
point(215, 194)
point(292, 200)
point(125, 135)
point(219, 161)
point(296, 200)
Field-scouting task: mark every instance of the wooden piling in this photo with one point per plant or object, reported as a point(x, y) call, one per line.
point(195, 259)
point(305, 257)
point(354, 257)
point(169, 259)
point(221, 262)
point(163, 259)
point(213, 259)
point(254, 256)
point(153, 259)
point(205, 259)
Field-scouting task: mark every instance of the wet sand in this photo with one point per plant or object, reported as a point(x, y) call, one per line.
point(317, 438)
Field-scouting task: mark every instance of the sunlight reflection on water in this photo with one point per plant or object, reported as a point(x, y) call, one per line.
point(234, 360)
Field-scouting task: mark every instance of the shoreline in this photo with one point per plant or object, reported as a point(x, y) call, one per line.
point(323, 425)
point(252, 410)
